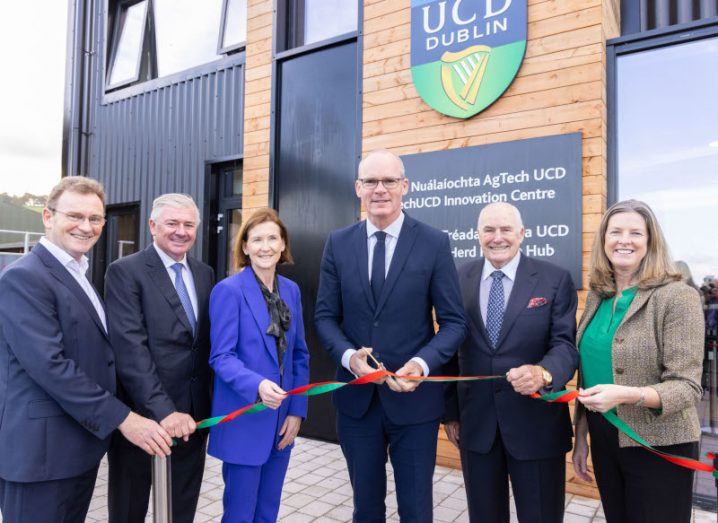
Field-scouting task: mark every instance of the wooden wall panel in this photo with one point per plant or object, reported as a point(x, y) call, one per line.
point(559, 89)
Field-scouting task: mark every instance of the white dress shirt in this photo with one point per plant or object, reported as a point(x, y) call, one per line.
point(508, 280)
point(78, 270)
point(168, 262)
point(392, 238)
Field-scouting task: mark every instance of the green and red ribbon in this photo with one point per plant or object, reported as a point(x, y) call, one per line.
point(562, 396)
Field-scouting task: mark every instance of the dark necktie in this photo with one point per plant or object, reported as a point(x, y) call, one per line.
point(378, 265)
point(495, 309)
point(184, 296)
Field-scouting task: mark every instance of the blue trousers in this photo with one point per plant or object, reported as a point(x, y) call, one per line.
point(252, 494)
point(366, 442)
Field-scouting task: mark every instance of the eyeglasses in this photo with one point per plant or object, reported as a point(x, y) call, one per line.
point(388, 183)
point(95, 220)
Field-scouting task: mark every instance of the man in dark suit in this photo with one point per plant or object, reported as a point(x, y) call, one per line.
point(522, 322)
point(158, 303)
point(380, 279)
point(57, 374)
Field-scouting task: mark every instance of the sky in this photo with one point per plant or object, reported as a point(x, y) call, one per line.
point(32, 57)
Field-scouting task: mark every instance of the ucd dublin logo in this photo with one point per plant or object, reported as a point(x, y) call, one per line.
point(465, 53)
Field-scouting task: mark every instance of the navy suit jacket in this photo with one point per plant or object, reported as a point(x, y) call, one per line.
point(244, 355)
point(57, 374)
point(544, 335)
point(163, 367)
point(421, 277)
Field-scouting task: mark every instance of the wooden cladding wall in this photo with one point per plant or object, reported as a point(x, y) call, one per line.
point(560, 89)
point(257, 104)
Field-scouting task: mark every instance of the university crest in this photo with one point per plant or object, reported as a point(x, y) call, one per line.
point(466, 53)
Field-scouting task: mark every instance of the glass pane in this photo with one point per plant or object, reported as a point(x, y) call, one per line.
point(126, 235)
point(234, 224)
point(129, 47)
point(187, 32)
point(668, 157)
point(237, 180)
point(235, 29)
point(327, 18)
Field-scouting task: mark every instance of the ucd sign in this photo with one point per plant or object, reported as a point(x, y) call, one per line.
point(465, 53)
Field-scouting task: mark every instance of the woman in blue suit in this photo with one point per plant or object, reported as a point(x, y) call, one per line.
point(258, 351)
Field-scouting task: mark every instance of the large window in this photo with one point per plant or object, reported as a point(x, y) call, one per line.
point(156, 38)
point(666, 147)
point(311, 21)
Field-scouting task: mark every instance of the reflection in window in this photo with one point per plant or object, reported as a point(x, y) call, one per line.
point(235, 24)
point(327, 18)
point(126, 65)
point(668, 157)
point(187, 32)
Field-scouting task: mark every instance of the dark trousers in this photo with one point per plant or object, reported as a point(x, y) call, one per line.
point(538, 486)
point(56, 501)
point(130, 478)
point(252, 494)
point(637, 486)
point(366, 442)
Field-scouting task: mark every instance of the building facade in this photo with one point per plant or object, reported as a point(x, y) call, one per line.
point(252, 103)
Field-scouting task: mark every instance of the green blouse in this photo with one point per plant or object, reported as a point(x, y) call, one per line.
point(597, 339)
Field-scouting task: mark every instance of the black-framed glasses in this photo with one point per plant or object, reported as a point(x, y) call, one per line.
point(75, 217)
point(388, 183)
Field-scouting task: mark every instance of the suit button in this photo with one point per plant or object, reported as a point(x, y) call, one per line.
point(376, 324)
point(110, 363)
point(619, 370)
point(194, 378)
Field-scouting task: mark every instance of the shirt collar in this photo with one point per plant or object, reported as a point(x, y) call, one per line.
point(509, 269)
point(392, 230)
point(168, 260)
point(64, 257)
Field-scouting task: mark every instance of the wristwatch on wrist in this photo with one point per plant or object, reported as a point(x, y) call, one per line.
point(546, 375)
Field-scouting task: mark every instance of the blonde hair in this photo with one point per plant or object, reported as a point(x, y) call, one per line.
point(241, 260)
point(655, 269)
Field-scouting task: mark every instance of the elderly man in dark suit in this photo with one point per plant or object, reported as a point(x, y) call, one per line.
point(522, 323)
point(158, 301)
point(380, 279)
point(57, 374)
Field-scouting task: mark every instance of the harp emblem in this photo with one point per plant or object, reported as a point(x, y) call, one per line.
point(462, 73)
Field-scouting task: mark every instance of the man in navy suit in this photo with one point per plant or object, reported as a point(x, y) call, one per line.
point(522, 323)
point(380, 280)
point(158, 304)
point(57, 373)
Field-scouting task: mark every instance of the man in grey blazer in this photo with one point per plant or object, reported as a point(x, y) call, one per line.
point(57, 374)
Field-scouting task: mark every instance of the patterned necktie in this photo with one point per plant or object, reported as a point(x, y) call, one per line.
point(495, 309)
point(184, 296)
point(378, 265)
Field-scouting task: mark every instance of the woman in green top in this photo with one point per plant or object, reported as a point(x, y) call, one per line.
point(640, 342)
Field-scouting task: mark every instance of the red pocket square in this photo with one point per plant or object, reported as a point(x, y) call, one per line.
point(536, 302)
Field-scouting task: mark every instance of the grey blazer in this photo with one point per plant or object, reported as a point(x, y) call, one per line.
point(659, 344)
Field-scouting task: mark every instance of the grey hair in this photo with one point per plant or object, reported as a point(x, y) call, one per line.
point(512, 208)
point(380, 152)
point(175, 201)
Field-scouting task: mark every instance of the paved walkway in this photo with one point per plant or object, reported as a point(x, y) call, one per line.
point(317, 489)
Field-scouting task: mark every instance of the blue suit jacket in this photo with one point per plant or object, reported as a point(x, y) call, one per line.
point(242, 355)
point(57, 374)
point(400, 326)
point(543, 335)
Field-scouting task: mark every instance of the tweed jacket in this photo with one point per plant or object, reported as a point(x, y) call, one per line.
point(659, 344)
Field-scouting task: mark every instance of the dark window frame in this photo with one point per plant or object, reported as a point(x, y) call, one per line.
point(223, 28)
point(289, 24)
point(118, 21)
point(150, 81)
point(636, 43)
point(100, 250)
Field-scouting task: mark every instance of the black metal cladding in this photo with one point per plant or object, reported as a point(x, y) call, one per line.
point(155, 137)
point(644, 15)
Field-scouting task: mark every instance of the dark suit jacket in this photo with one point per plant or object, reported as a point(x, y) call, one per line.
point(57, 374)
point(421, 276)
point(543, 335)
point(162, 367)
